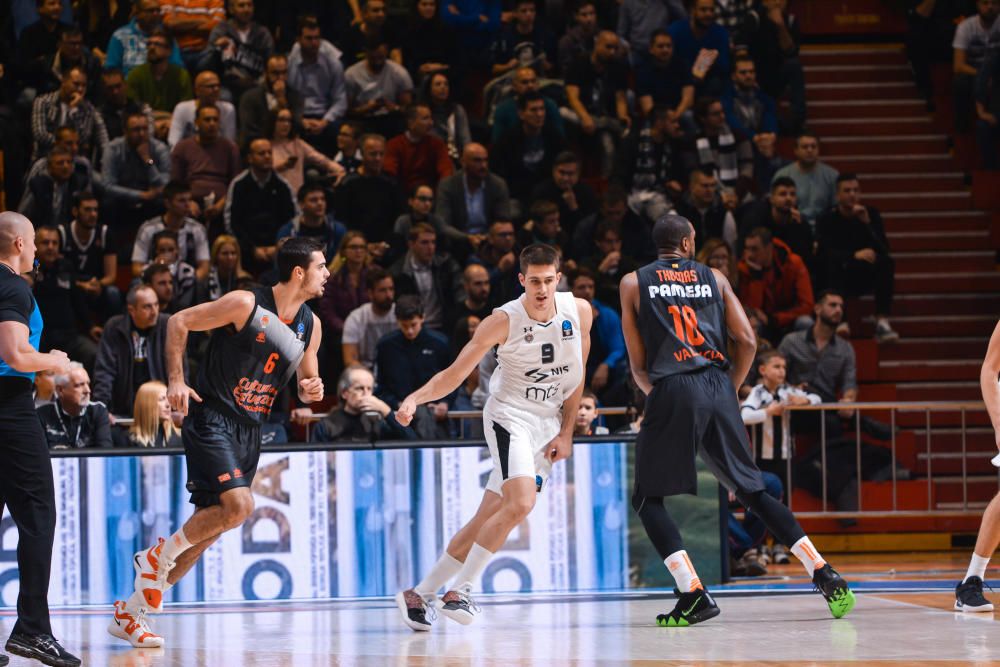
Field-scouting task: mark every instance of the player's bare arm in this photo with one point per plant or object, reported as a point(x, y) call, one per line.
point(988, 382)
point(310, 383)
point(233, 309)
point(629, 291)
point(490, 332)
point(743, 341)
point(561, 446)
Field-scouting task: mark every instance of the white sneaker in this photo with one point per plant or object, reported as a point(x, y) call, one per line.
point(884, 333)
point(133, 628)
point(151, 572)
point(780, 554)
point(460, 607)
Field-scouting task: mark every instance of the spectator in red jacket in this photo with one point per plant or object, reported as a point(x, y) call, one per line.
point(774, 285)
point(417, 156)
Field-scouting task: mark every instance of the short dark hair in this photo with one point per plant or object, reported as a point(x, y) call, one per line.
point(82, 196)
point(375, 275)
point(132, 295)
point(72, 30)
point(518, 3)
point(659, 112)
point(742, 57)
point(66, 128)
point(420, 228)
point(410, 113)
point(160, 31)
point(542, 209)
point(374, 42)
point(307, 189)
point(136, 113)
point(539, 254)
point(762, 233)
point(566, 157)
point(605, 226)
point(165, 234)
point(174, 188)
point(203, 107)
point(296, 252)
point(706, 170)
point(821, 297)
point(584, 3)
point(153, 270)
point(524, 99)
point(615, 194)
point(112, 71)
point(52, 229)
point(701, 106)
point(659, 32)
point(806, 133)
point(583, 272)
point(308, 21)
point(782, 182)
point(409, 306)
point(843, 177)
point(59, 150)
point(670, 230)
point(767, 355)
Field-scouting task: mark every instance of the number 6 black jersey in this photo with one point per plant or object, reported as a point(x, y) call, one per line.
point(541, 363)
point(682, 318)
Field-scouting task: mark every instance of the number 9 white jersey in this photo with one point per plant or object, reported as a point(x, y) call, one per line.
point(540, 364)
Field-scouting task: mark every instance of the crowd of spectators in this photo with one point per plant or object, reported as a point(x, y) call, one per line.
point(165, 151)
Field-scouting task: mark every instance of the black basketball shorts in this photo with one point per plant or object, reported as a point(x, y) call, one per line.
point(221, 452)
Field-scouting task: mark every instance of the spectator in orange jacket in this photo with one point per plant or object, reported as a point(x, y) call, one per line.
point(774, 285)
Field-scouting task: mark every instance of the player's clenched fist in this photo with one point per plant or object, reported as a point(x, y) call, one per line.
point(311, 390)
point(404, 414)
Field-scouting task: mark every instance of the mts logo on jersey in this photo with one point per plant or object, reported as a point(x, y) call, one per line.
point(542, 374)
point(541, 394)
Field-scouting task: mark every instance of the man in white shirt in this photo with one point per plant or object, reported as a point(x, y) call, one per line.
point(206, 92)
point(972, 38)
point(192, 238)
point(369, 322)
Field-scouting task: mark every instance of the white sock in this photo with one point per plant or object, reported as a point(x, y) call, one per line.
point(681, 569)
point(806, 552)
point(477, 560)
point(444, 569)
point(977, 567)
point(175, 545)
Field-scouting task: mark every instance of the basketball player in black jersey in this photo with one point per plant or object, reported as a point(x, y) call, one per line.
point(680, 320)
point(260, 338)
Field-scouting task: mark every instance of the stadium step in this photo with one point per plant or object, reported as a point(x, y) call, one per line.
point(956, 281)
point(816, 55)
point(938, 303)
point(926, 201)
point(938, 391)
point(930, 325)
point(953, 240)
point(958, 347)
point(849, 109)
point(941, 369)
point(872, 126)
point(862, 90)
point(861, 73)
point(875, 182)
point(892, 162)
point(940, 222)
point(944, 262)
point(833, 146)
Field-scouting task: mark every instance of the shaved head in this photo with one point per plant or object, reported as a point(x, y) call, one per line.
point(670, 231)
point(14, 226)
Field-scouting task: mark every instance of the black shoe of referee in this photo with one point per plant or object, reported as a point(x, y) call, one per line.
point(43, 648)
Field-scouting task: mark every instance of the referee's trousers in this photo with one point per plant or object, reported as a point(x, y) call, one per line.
point(26, 488)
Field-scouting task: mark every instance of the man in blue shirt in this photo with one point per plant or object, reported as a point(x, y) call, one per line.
point(127, 47)
point(704, 43)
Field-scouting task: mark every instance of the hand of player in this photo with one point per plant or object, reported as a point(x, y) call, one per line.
point(559, 448)
point(404, 414)
point(179, 394)
point(59, 362)
point(311, 389)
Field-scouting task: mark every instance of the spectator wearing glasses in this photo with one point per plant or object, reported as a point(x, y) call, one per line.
point(128, 46)
point(207, 91)
point(158, 82)
point(73, 421)
point(274, 93)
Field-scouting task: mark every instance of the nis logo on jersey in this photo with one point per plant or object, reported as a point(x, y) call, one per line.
point(669, 285)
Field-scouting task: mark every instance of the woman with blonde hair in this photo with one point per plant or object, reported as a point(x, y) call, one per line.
point(717, 254)
point(226, 271)
point(345, 289)
point(152, 424)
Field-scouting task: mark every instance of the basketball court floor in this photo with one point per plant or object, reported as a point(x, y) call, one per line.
point(903, 616)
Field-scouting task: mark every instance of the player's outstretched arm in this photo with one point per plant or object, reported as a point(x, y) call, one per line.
point(988, 381)
point(562, 445)
point(741, 333)
point(628, 288)
point(491, 331)
point(307, 374)
point(234, 308)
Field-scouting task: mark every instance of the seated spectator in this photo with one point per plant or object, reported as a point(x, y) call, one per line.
point(367, 323)
point(432, 276)
point(718, 254)
point(48, 195)
point(420, 206)
point(609, 265)
point(701, 41)
point(701, 205)
point(173, 280)
point(67, 106)
point(348, 147)
point(226, 271)
point(361, 415)
point(637, 238)
point(853, 243)
point(815, 181)
point(650, 165)
point(417, 157)
point(207, 91)
point(313, 220)
point(775, 49)
point(152, 419)
point(497, 253)
point(596, 93)
point(578, 39)
point(244, 47)
point(191, 22)
point(476, 23)
point(69, 324)
point(506, 116)
point(378, 89)
point(89, 247)
point(315, 71)
point(450, 122)
point(477, 302)
point(374, 24)
point(740, 20)
point(662, 78)
point(972, 37)
point(987, 97)
point(345, 289)
point(128, 46)
point(158, 82)
point(779, 214)
point(291, 155)
point(46, 74)
point(192, 236)
point(470, 200)
point(576, 200)
point(136, 168)
point(774, 285)
point(208, 162)
point(44, 388)
point(749, 111)
point(586, 414)
point(67, 137)
point(115, 105)
point(407, 358)
point(258, 204)
point(258, 104)
point(40, 39)
point(428, 45)
point(523, 41)
point(524, 155)
point(369, 199)
point(606, 365)
point(72, 420)
point(131, 352)
point(544, 226)
point(718, 146)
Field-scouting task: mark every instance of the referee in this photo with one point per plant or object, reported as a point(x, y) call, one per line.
point(26, 485)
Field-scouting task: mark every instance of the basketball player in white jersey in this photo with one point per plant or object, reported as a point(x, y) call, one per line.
point(542, 340)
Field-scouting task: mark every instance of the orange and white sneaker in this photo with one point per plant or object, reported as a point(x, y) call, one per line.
point(151, 572)
point(133, 627)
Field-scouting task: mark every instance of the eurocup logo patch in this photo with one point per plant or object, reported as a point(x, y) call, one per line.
point(567, 329)
point(300, 331)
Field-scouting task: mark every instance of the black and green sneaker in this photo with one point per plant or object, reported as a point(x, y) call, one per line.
point(693, 607)
point(839, 597)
